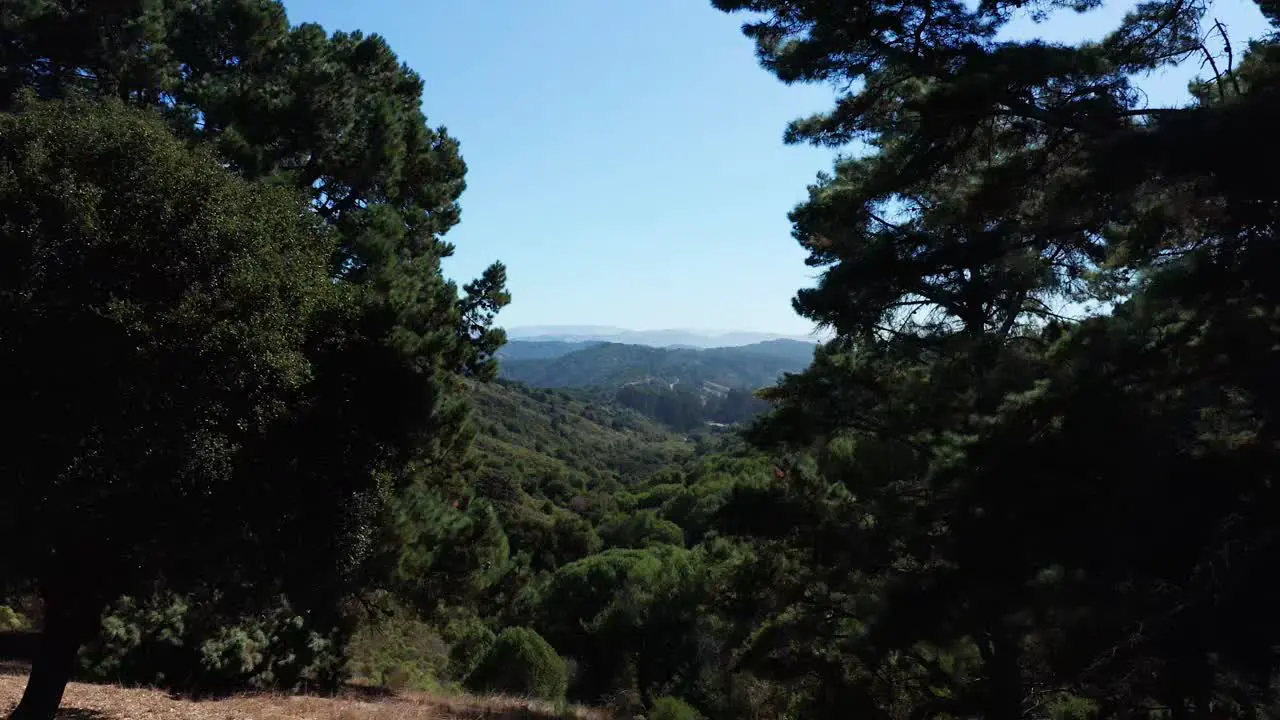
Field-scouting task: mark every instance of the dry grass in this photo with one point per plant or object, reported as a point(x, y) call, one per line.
point(106, 702)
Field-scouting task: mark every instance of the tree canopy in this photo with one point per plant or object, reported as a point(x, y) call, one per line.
point(155, 319)
point(337, 116)
point(1037, 443)
point(1030, 476)
point(237, 252)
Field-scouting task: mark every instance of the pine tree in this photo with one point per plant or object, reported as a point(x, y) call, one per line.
point(967, 500)
point(336, 120)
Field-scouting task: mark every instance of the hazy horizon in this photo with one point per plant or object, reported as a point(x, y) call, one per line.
point(573, 327)
point(661, 337)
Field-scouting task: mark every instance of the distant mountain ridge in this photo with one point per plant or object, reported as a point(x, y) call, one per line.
point(652, 338)
point(540, 349)
point(555, 364)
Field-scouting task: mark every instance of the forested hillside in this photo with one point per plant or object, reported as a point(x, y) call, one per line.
point(540, 349)
point(685, 389)
point(613, 365)
point(539, 437)
point(260, 442)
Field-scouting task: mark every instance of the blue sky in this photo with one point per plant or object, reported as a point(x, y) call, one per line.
point(625, 156)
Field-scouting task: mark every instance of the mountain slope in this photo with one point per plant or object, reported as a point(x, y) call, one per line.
point(615, 365)
point(553, 463)
point(533, 437)
point(541, 349)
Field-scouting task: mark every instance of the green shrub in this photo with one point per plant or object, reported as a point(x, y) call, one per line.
point(11, 620)
point(399, 651)
point(639, 530)
point(166, 641)
point(520, 662)
point(273, 650)
point(469, 641)
point(142, 644)
point(1070, 707)
point(669, 708)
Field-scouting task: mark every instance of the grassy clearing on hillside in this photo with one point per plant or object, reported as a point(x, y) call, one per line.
point(107, 702)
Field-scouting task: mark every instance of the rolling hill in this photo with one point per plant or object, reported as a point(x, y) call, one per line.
point(542, 349)
point(552, 462)
point(536, 436)
point(613, 365)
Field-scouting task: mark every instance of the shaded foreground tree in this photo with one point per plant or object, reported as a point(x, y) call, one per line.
point(1011, 512)
point(336, 116)
point(157, 315)
point(337, 119)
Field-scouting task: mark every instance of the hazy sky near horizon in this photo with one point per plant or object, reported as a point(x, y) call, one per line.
point(625, 157)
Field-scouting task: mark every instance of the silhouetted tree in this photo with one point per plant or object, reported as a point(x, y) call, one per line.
point(976, 460)
point(158, 318)
point(373, 399)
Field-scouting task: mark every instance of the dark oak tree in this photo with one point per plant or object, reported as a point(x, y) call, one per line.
point(304, 479)
point(157, 320)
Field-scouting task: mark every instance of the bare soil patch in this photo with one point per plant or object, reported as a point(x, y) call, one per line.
point(107, 702)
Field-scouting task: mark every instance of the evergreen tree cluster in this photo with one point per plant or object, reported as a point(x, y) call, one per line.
point(259, 445)
point(1036, 459)
point(223, 320)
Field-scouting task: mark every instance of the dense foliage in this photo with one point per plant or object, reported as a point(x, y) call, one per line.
point(243, 222)
point(199, 294)
point(615, 364)
point(167, 641)
point(1034, 463)
point(686, 410)
point(669, 708)
point(685, 389)
point(520, 662)
point(1030, 476)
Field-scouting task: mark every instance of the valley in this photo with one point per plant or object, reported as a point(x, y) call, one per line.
point(295, 440)
point(683, 388)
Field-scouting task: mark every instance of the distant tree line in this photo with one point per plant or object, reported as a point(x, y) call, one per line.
point(689, 410)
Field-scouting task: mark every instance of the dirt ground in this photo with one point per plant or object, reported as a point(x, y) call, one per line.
point(106, 702)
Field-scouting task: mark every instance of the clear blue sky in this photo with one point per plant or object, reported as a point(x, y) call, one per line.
point(625, 156)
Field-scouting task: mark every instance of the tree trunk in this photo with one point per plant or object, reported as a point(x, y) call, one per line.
point(643, 679)
point(1004, 676)
point(67, 624)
